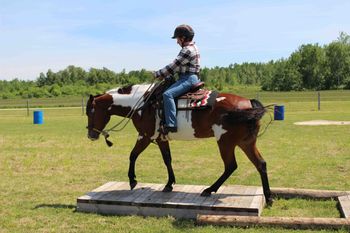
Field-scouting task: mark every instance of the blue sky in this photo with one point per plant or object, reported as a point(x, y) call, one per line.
point(39, 35)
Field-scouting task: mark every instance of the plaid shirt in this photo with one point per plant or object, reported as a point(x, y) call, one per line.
point(188, 61)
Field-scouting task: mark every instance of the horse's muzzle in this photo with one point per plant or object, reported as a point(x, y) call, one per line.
point(93, 135)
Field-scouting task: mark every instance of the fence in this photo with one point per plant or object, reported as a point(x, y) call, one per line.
point(314, 100)
point(25, 106)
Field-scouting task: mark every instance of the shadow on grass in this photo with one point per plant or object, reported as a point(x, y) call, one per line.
point(56, 206)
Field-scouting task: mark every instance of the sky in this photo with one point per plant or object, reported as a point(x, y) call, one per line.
point(39, 35)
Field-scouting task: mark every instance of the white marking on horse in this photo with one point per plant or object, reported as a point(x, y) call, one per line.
point(184, 127)
point(218, 131)
point(220, 99)
point(139, 137)
point(129, 100)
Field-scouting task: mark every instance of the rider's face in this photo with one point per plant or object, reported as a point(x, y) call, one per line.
point(180, 40)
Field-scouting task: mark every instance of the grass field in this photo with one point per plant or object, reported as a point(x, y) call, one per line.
point(44, 168)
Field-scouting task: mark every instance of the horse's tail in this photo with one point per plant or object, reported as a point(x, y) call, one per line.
point(249, 116)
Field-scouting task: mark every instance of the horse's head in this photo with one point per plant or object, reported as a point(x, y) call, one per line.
point(124, 102)
point(98, 115)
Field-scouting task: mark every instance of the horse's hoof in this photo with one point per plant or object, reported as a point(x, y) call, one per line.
point(133, 185)
point(206, 193)
point(167, 189)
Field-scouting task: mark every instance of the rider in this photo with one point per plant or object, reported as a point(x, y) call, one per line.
point(187, 65)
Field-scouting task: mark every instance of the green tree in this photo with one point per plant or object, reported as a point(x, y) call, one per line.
point(286, 77)
point(344, 38)
point(311, 66)
point(337, 65)
point(55, 90)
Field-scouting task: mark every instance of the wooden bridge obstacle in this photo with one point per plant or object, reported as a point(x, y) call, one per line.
point(183, 202)
point(232, 205)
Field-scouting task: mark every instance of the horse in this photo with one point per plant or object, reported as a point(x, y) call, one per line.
point(233, 121)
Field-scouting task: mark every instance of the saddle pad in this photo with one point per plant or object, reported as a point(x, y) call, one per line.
point(207, 100)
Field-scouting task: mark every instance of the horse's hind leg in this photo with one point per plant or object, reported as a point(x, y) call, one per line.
point(141, 145)
point(227, 152)
point(255, 157)
point(165, 150)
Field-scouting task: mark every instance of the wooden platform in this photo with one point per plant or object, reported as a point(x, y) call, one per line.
point(183, 202)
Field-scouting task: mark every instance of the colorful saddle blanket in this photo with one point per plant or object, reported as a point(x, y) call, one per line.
point(196, 100)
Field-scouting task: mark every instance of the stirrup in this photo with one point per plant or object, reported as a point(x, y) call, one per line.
point(164, 130)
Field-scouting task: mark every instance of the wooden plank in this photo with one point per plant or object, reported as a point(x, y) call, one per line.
point(147, 192)
point(100, 191)
point(179, 195)
point(254, 194)
point(344, 203)
point(138, 191)
point(208, 202)
point(229, 195)
point(258, 200)
point(286, 222)
point(105, 186)
point(247, 198)
point(89, 195)
point(116, 191)
point(193, 195)
point(236, 195)
point(310, 193)
point(158, 198)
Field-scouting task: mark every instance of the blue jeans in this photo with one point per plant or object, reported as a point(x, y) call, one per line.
point(181, 86)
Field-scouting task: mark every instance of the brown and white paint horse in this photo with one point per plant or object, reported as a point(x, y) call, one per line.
point(232, 120)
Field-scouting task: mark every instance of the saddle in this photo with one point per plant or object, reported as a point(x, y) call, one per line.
point(196, 92)
point(195, 98)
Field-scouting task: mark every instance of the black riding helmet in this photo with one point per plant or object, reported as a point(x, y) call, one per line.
point(184, 30)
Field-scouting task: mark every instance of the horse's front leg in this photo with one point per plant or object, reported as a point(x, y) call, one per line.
point(165, 150)
point(141, 144)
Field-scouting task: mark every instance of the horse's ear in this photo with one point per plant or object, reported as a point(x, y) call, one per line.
point(91, 97)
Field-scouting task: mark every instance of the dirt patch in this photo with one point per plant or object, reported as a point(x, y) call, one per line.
point(322, 122)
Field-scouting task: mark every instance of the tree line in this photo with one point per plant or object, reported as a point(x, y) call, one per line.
point(310, 67)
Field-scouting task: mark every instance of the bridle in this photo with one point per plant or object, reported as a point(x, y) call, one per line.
point(103, 132)
point(124, 122)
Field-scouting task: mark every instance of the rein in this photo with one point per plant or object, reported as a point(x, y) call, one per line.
point(105, 134)
point(124, 122)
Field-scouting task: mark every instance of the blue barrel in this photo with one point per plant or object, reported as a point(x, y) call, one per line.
point(38, 117)
point(279, 113)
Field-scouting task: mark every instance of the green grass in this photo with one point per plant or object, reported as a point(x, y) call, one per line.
point(44, 168)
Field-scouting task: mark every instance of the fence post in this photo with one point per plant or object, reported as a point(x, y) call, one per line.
point(319, 100)
point(27, 107)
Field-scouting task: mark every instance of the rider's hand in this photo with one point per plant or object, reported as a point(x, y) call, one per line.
point(160, 78)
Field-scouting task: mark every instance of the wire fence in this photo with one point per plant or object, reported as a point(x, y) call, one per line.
point(312, 100)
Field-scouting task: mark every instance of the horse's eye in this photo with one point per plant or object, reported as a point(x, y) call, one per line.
point(93, 110)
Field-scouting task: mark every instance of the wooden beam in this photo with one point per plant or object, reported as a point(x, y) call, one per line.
point(307, 193)
point(344, 206)
point(285, 222)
